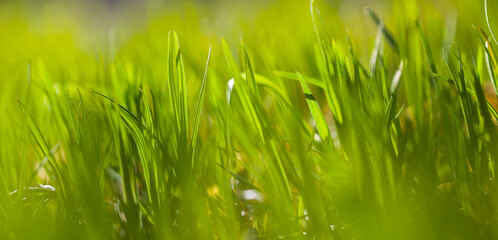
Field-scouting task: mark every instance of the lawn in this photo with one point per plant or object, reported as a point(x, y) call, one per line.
point(277, 119)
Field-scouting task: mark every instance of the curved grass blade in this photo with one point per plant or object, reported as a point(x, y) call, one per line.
point(293, 76)
point(261, 80)
point(490, 57)
point(487, 20)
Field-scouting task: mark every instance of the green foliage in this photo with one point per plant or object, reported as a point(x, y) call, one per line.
point(275, 125)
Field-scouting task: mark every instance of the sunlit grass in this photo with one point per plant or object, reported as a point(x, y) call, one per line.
point(188, 122)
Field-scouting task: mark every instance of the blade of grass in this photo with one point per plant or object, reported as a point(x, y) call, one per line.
point(195, 131)
point(316, 112)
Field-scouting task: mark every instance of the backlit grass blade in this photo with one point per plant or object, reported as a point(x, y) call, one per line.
point(232, 65)
point(376, 55)
point(391, 107)
point(250, 76)
point(316, 112)
point(195, 131)
point(178, 94)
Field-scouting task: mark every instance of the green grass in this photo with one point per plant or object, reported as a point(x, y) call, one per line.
point(229, 120)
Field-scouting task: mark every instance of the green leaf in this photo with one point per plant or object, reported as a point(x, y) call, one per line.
point(387, 34)
point(293, 76)
point(195, 131)
point(316, 112)
point(238, 177)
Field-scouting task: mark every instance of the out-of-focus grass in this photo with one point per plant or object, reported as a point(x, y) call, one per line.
point(238, 119)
